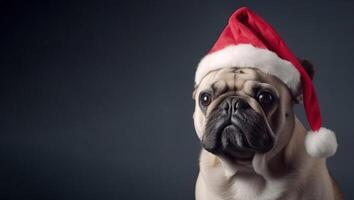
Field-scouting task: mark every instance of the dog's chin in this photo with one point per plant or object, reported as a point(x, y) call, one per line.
point(235, 146)
point(230, 143)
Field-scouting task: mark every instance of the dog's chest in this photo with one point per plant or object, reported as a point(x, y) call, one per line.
point(255, 189)
point(244, 187)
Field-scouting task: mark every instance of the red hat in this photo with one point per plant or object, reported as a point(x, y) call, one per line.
point(249, 41)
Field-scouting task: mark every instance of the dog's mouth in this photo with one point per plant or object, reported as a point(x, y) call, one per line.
point(238, 134)
point(234, 143)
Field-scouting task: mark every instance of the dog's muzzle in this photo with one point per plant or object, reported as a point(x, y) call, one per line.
point(233, 128)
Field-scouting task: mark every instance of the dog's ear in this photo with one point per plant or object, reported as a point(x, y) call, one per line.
point(308, 66)
point(194, 91)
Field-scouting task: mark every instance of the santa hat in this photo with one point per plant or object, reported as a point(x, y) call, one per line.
point(249, 41)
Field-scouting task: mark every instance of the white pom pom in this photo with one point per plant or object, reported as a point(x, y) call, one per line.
point(321, 143)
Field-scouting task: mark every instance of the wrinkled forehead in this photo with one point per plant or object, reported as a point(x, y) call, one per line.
point(230, 76)
point(237, 78)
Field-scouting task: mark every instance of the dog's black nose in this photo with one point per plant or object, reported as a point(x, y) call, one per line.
point(233, 103)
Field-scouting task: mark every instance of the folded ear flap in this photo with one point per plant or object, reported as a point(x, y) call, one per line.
point(308, 66)
point(194, 91)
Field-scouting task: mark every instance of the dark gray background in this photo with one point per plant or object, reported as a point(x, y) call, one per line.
point(96, 96)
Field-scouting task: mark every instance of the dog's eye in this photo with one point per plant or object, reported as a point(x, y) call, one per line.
point(205, 98)
point(265, 98)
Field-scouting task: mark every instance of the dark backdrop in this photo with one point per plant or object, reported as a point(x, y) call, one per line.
point(96, 96)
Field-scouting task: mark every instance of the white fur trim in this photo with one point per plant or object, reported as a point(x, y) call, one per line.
point(321, 143)
point(246, 55)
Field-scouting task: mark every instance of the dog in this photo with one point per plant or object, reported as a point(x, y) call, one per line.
point(253, 143)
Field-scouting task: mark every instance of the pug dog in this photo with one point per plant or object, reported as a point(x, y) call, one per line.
point(252, 142)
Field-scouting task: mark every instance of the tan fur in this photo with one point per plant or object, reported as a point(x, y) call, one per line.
point(285, 172)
